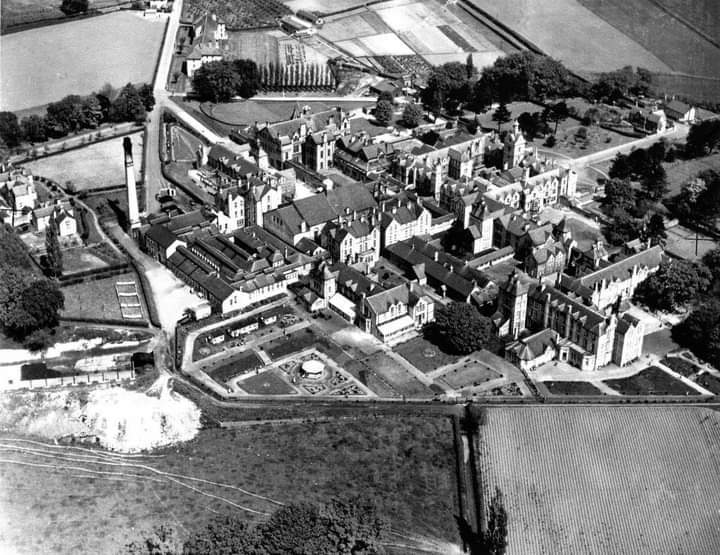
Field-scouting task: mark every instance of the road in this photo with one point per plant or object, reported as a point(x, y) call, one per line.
point(153, 178)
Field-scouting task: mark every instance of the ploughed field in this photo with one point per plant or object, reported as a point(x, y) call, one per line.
point(595, 480)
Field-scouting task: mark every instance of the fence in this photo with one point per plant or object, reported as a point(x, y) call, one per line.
point(78, 379)
point(92, 275)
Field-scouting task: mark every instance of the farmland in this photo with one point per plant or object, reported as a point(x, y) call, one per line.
point(117, 48)
point(239, 14)
point(678, 46)
point(424, 28)
point(566, 30)
point(621, 480)
point(78, 512)
point(97, 165)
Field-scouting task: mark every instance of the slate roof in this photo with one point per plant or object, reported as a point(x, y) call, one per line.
point(355, 197)
point(588, 317)
point(380, 302)
point(315, 209)
point(531, 347)
point(678, 106)
point(622, 270)
point(161, 235)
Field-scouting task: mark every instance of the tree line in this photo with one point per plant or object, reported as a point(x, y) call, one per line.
point(29, 303)
point(75, 113)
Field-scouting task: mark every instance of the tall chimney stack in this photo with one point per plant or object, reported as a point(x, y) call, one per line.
point(133, 212)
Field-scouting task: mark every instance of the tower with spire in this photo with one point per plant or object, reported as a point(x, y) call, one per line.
point(513, 147)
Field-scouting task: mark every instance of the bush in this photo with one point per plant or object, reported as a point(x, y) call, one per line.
point(550, 141)
point(39, 340)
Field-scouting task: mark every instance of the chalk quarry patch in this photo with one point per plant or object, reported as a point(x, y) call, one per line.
point(121, 420)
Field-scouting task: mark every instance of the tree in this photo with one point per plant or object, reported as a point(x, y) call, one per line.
point(501, 115)
point(700, 331)
point(614, 85)
point(387, 96)
point(128, 106)
point(249, 77)
point(383, 112)
point(673, 285)
point(523, 76)
point(470, 70)
point(447, 87)
point(620, 168)
point(148, 96)
point(532, 124)
point(223, 535)
point(216, 82)
point(460, 328)
point(10, 131)
point(53, 254)
point(296, 528)
point(42, 300)
point(622, 228)
point(27, 303)
point(556, 113)
point(655, 230)
point(161, 540)
point(495, 538)
point(74, 7)
point(711, 259)
point(619, 195)
point(654, 183)
point(412, 115)
point(73, 113)
point(33, 128)
point(703, 138)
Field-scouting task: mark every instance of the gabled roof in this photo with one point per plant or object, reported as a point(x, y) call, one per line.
point(585, 315)
point(315, 209)
point(355, 197)
point(678, 106)
point(161, 235)
point(380, 302)
point(533, 346)
point(201, 50)
point(622, 270)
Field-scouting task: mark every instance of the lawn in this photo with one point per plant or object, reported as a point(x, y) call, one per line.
point(98, 298)
point(269, 382)
point(97, 165)
point(709, 382)
point(572, 388)
point(681, 172)
point(685, 243)
point(424, 355)
point(681, 365)
point(651, 381)
point(76, 512)
point(246, 362)
point(398, 378)
point(291, 343)
point(469, 374)
point(117, 48)
point(80, 260)
point(592, 480)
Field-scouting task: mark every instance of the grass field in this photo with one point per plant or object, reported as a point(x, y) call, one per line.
point(571, 388)
point(621, 480)
point(97, 165)
point(96, 299)
point(682, 171)
point(566, 30)
point(291, 343)
point(20, 12)
point(670, 40)
point(77, 512)
point(246, 362)
point(651, 381)
point(269, 382)
point(424, 355)
point(117, 48)
point(709, 382)
point(680, 365)
point(471, 373)
point(394, 374)
point(80, 259)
